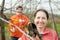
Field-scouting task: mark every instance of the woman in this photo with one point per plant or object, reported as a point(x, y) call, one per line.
point(40, 20)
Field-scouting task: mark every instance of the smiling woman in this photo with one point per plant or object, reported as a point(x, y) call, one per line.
point(40, 20)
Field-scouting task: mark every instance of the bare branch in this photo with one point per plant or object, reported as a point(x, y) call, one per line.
point(17, 28)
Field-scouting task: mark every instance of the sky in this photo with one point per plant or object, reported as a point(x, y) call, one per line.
point(44, 5)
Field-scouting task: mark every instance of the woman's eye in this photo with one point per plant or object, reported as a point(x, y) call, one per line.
point(43, 18)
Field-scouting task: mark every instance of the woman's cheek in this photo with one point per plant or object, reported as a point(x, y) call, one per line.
point(36, 21)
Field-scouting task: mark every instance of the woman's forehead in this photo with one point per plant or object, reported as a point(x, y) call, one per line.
point(40, 13)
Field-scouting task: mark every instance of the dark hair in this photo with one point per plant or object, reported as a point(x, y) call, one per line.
point(32, 29)
point(19, 7)
point(43, 11)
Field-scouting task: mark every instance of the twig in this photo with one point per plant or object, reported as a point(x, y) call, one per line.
point(17, 28)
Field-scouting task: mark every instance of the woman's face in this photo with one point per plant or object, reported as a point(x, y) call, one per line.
point(40, 19)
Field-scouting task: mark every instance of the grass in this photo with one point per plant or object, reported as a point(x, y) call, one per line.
point(7, 32)
point(58, 28)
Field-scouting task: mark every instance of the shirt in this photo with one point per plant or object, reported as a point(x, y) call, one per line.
point(47, 35)
point(18, 20)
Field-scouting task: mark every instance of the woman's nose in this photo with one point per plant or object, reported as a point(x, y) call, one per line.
point(40, 20)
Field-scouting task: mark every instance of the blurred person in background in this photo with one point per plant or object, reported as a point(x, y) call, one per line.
point(19, 20)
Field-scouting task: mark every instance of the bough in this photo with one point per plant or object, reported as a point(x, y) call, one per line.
point(17, 28)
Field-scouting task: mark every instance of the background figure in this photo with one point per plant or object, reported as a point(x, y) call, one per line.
point(43, 33)
point(20, 20)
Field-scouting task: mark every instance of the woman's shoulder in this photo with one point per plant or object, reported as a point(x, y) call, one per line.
point(52, 31)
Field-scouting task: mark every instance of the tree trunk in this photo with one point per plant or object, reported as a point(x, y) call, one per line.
point(1, 22)
point(54, 24)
